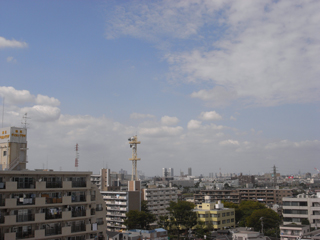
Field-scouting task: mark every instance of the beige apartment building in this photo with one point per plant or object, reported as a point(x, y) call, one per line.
point(51, 205)
point(266, 196)
point(158, 199)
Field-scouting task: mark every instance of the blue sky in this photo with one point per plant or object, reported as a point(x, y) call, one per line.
point(205, 84)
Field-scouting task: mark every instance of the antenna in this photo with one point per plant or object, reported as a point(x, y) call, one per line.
point(24, 120)
point(2, 110)
point(76, 163)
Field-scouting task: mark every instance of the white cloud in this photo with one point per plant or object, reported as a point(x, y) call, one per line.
point(42, 113)
point(140, 115)
point(229, 142)
point(11, 60)
point(212, 115)
point(45, 100)
point(163, 131)
point(283, 144)
point(5, 43)
point(258, 52)
point(13, 96)
point(267, 57)
point(166, 120)
point(233, 118)
point(194, 124)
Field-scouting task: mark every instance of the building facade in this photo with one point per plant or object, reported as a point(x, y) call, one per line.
point(102, 180)
point(13, 148)
point(303, 207)
point(158, 199)
point(215, 214)
point(118, 203)
point(293, 232)
point(266, 196)
point(50, 205)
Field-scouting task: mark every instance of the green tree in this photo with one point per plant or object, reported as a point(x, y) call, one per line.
point(269, 218)
point(246, 208)
point(139, 219)
point(181, 215)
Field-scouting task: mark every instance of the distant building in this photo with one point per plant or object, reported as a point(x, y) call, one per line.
point(189, 171)
point(267, 196)
point(102, 180)
point(158, 199)
point(215, 214)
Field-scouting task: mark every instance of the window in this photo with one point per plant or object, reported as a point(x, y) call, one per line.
point(4, 153)
point(223, 214)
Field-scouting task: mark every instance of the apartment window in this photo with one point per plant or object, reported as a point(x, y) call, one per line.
point(228, 220)
point(228, 214)
point(24, 182)
point(223, 214)
point(232, 213)
point(4, 153)
point(223, 221)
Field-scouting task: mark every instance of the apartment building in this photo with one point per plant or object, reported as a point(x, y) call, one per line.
point(215, 214)
point(50, 205)
point(293, 232)
point(102, 180)
point(267, 196)
point(158, 199)
point(300, 208)
point(118, 203)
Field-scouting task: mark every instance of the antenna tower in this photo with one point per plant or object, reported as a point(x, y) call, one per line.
point(24, 120)
point(133, 141)
point(2, 110)
point(76, 163)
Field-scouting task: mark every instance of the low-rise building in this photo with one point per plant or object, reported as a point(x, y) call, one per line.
point(215, 214)
point(293, 231)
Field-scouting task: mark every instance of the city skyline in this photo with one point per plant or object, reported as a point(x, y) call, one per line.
point(206, 84)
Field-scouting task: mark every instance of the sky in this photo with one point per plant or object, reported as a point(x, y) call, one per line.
point(218, 86)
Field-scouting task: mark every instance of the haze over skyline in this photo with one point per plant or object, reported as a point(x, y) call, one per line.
point(204, 84)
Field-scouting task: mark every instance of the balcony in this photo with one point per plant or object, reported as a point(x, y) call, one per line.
point(53, 231)
point(76, 184)
point(25, 201)
point(57, 215)
point(25, 218)
point(50, 200)
point(26, 234)
point(81, 213)
point(78, 228)
point(54, 184)
point(80, 198)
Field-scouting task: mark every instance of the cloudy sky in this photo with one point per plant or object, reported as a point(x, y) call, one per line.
point(230, 85)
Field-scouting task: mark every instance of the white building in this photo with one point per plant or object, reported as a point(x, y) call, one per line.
point(118, 203)
point(302, 207)
point(158, 199)
point(293, 232)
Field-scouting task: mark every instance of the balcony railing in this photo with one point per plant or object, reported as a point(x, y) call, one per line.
point(54, 184)
point(50, 200)
point(79, 184)
point(81, 198)
point(25, 218)
point(53, 231)
point(53, 216)
point(78, 228)
point(25, 201)
point(2, 202)
point(81, 213)
point(27, 234)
